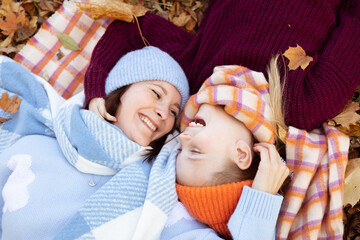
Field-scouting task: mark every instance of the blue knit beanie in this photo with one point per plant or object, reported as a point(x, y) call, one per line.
point(148, 63)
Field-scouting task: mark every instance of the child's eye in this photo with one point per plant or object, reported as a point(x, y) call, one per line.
point(156, 93)
point(195, 151)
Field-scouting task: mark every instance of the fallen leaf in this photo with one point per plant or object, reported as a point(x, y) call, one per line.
point(352, 130)
point(9, 105)
point(59, 54)
point(352, 182)
point(182, 20)
point(10, 6)
point(112, 9)
point(348, 115)
point(297, 57)
point(2, 120)
point(7, 41)
point(68, 42)
point(10, 24)
point(190, 25)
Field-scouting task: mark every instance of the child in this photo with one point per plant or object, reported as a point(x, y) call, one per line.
point(55, 158)
point(216, 160)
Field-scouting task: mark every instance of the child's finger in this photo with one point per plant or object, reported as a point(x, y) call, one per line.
point(264, 156)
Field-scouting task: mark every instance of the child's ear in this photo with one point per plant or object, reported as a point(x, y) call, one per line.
point(243, 156)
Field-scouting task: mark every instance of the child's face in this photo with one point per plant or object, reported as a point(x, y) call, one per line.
point(208, 145)
point(147, 111)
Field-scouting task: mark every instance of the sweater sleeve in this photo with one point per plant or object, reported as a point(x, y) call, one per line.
point(256, 215)
point(323, 89)
point(120, 38)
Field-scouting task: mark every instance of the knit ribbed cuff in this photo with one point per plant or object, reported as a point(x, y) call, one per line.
point(94, 84)
point(259, 204)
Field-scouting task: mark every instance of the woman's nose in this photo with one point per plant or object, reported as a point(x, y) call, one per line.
point(162, 112)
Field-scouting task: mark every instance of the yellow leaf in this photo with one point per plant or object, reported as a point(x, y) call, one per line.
point(297, 57)
point(352, 182)
point(112, 9)
point(348, 115)
point(9, 105)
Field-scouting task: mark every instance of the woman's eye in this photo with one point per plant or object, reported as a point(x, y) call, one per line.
point(174, 113)
point(156, 93)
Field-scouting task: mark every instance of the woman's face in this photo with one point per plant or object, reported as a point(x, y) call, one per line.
point(147, 111)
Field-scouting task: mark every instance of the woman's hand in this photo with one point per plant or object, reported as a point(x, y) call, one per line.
point(97, 106)
point(272, 171)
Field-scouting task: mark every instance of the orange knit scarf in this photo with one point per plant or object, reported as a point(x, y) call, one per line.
point(212, 205)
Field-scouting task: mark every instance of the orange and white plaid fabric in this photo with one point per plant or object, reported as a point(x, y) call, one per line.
point(313, 204)
point(243, 93)
point(40, 54)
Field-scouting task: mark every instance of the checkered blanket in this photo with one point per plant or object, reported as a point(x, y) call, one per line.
point(312, 207)
point(42, 53)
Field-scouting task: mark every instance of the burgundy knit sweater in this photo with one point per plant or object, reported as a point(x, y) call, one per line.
point(249, 33)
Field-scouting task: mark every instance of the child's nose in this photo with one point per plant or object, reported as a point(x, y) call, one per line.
point(183, 137)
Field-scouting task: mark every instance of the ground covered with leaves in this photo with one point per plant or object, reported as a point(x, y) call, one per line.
point(20, 20)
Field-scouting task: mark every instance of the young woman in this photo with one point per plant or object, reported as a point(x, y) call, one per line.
point(55, 159)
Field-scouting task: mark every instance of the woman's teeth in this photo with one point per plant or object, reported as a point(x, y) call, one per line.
point(148, 122)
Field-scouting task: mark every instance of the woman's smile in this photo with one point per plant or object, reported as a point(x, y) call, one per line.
point(148, 122)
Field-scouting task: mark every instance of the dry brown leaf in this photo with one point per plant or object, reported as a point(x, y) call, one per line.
point(353, 130)
point(112, 9)
point(348, 115)
point(10, 6)
point(2, 120)
point(9, 105)
point(352, 182)
point(7, 41)
point(10, 24)
point(182, 20)
point(192, 13)
point(297, 57)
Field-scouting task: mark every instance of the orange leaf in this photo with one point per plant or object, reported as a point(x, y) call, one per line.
point(297, 57)
point(348, 115)
point(10, 25)
point(9, 105)
point(112, 9)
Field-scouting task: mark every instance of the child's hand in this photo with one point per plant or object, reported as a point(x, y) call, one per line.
point(272, 171)
point(97, 106)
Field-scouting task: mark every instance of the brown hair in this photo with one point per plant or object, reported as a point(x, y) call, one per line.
point(112, 101)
